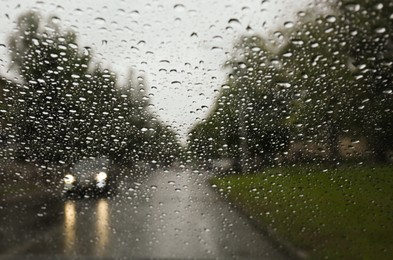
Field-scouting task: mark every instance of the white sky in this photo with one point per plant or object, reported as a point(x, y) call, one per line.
point(154, 38)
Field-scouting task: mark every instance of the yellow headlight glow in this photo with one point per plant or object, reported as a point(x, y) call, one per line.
point(101, 176)
point(69, 179)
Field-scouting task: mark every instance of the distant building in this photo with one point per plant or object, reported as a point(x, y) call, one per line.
point(349, 148)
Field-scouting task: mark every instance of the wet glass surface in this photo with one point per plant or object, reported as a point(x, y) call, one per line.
point(207, 130)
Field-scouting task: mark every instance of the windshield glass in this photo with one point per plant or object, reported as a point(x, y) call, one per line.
point(196, 129)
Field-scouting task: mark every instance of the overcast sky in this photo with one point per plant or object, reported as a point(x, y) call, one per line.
point(179, 46)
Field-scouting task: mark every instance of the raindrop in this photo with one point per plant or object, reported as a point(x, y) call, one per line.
point(179, 7)
point(73, 45)
point(288, 24)
point(352, 7)
point(234, 21)
point(297, 42)
point(331, 19)
point(35, 42)
point(379, 6)
point(86, 51)
point(55, 20)
point(134, 13)
point(380, 30)
point(216, 48)
point(99, 21)
point(242, 65)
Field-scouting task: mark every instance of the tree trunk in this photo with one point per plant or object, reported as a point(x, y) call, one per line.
point(333, 143)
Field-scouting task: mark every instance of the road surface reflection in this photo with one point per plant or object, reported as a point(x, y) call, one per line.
point(102, 226)
point(76, 213)
point(170, 214)
point(69, 226)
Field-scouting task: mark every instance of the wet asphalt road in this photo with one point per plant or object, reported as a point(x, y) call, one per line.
point(170, 214)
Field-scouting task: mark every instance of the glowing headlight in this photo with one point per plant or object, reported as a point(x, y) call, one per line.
point(101, 176)
point(69, 179)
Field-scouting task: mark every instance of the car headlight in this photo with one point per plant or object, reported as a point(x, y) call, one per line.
point(101, 176)
point(69, 179)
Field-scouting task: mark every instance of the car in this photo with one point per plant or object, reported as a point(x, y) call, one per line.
point(89, 176)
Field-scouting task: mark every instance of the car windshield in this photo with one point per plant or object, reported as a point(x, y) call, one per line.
point(196, 129)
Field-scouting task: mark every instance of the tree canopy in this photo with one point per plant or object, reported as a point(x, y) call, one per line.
point(328, 75)
point(66, 106)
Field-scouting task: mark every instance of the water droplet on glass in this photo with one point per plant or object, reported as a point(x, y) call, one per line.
point(234, 22)
point(99, 21)
point(352, 7)
point(380, 30)
point(288, 24)
point(55, 20)
point(331, 19)
point(179, 7)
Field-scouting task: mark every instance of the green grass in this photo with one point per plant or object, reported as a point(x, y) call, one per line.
point(346, 213)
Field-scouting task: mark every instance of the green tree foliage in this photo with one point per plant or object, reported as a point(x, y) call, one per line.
point(67, 107)
point(328, 76)
point(341, 64)
point(369, 37)
point(249, 121)
point(324, 87)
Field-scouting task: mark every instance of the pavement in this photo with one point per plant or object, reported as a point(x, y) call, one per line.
point(169, 214)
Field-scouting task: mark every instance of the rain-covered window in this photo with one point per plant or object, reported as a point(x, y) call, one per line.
point(196, 129)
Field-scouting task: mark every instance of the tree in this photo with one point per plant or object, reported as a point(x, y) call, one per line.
point(340, 63)
point(369, 26)
point(51, 68)
point(67, 107)
point(317, 63)
point(249, 120)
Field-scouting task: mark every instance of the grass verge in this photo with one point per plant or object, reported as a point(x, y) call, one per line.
point(345, 213)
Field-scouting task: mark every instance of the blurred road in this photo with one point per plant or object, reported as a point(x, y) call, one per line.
point(170, 214)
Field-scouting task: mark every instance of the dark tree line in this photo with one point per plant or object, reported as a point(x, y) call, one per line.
point(330, 75)
point(65, 106)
